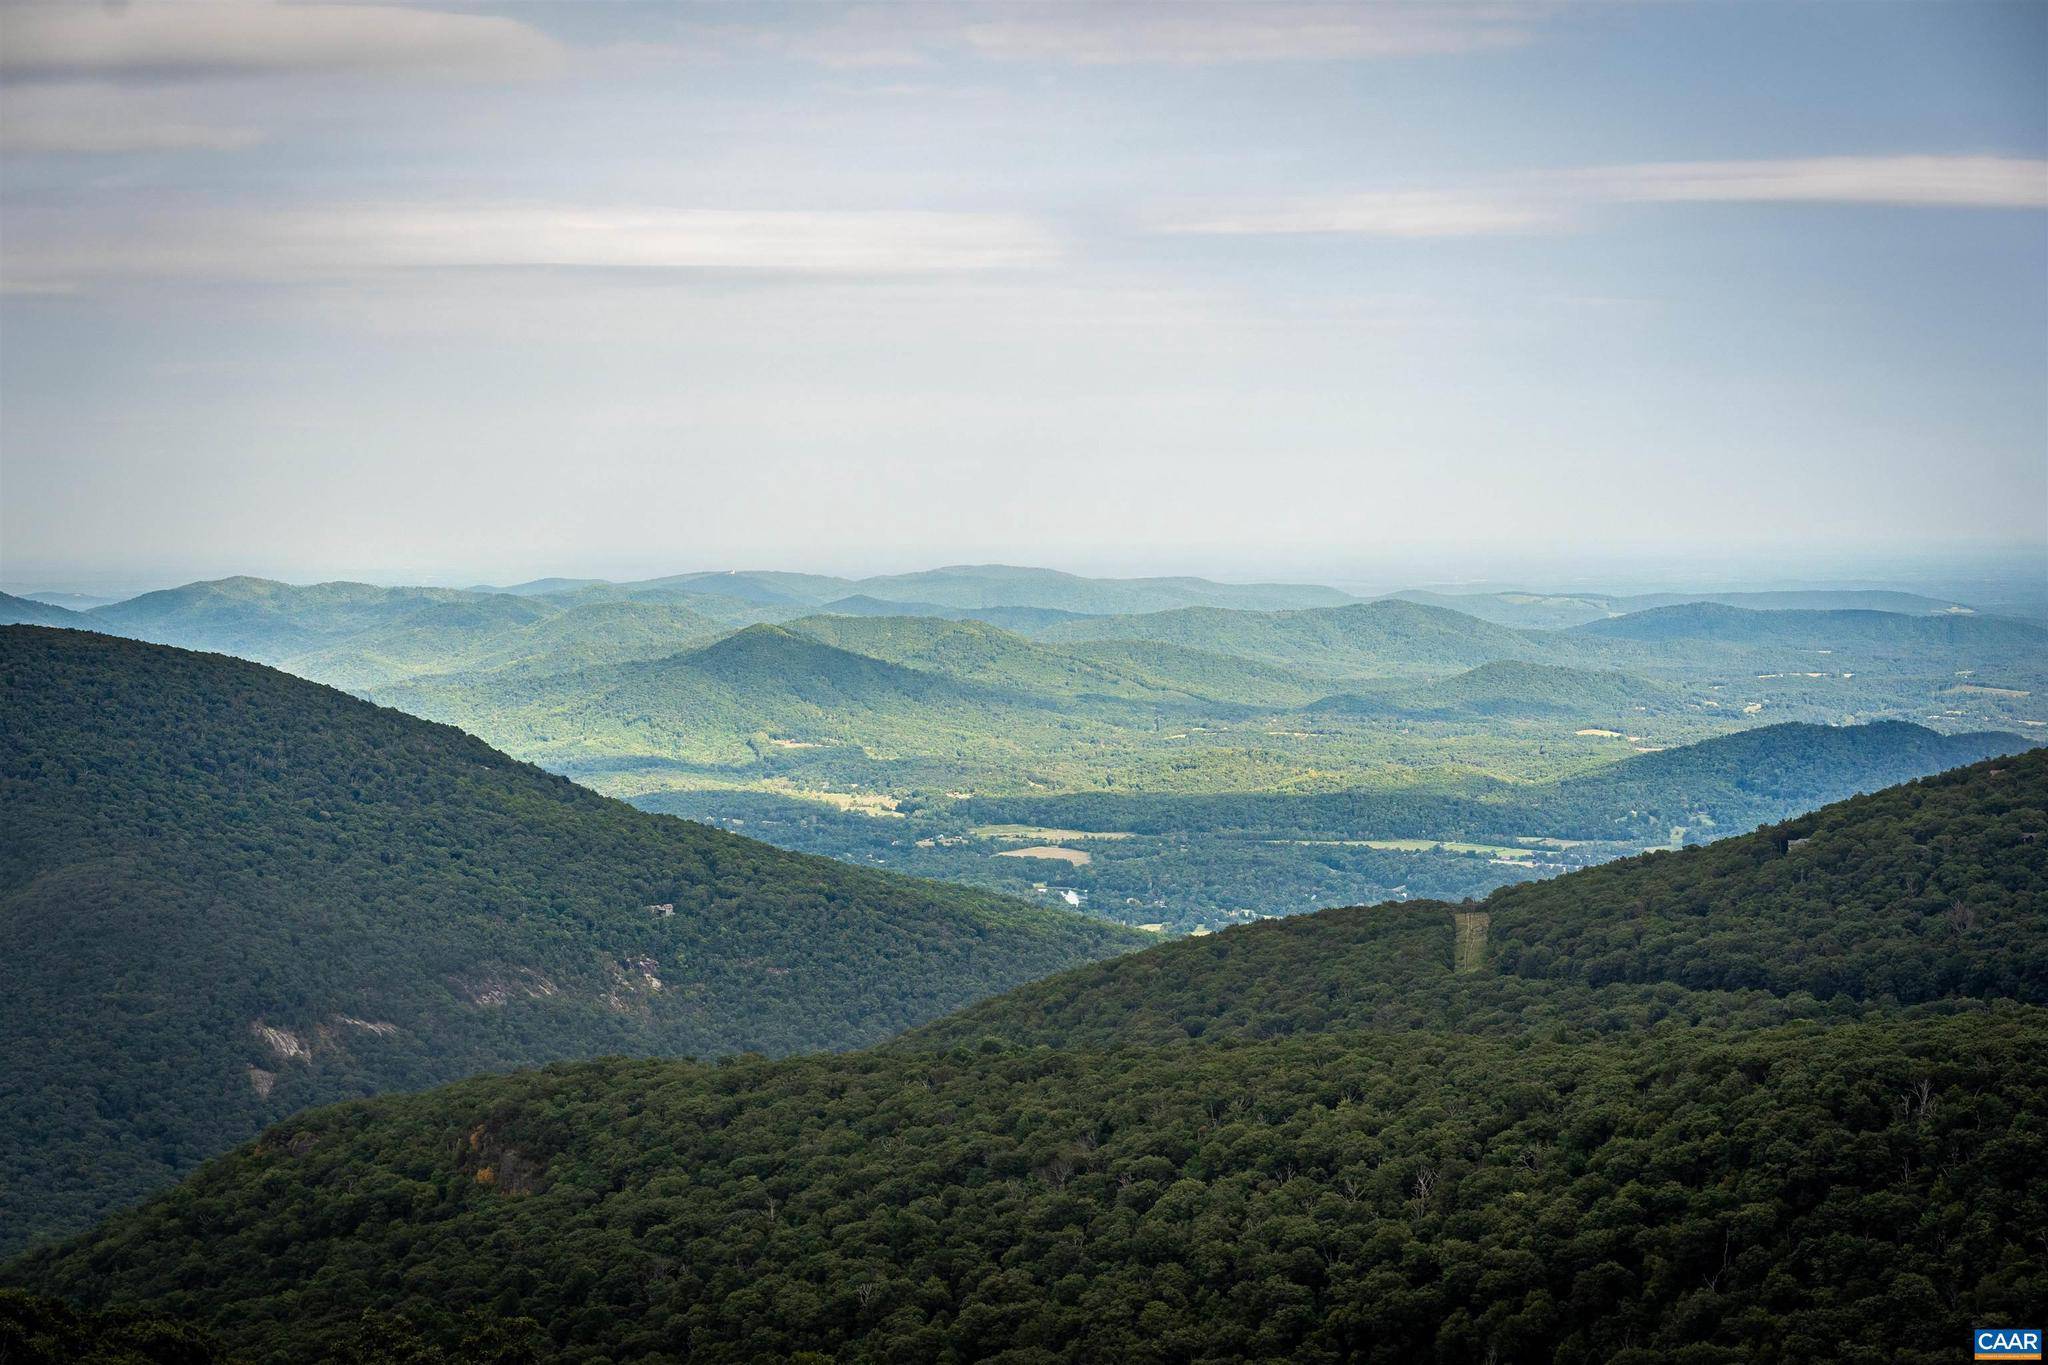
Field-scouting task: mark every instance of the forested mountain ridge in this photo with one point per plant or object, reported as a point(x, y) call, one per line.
point(1518, 688)
point(17, 611)
point(1829, 628)
point(764, 694)
point(1000, 585)
point(1298, 733)
point(1387, 637)
point(270, 621)
point(1560, 610)
point(1937, 888)
point(968, 587)
point(359, 635)
point(1726, 785)
point(1625, 1126)
point(1004, 661)
point(227, 893)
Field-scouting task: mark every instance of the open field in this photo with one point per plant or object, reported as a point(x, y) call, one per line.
point(1073, 856)
point(1040, 835)
point(1418, 846)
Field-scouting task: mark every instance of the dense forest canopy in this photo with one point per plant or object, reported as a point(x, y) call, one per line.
point(1771, 1099)
point(1933, 890)
point(226, 894)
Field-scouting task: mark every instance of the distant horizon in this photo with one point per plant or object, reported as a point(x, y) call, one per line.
point(1928, 570)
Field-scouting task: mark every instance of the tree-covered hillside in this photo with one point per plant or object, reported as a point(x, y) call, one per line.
point(17, 611)
point(1386, 638)
point(1933, 889)
point(1298, 732)
point(1517, 689)
point(975, 588)
point(358, 635)
point(1558, 611)
point(1775, 1100)
point(760, 695)
point(1003, 585)
point(1880, 631)
point(226, 893)
point(974, 651)
point(1723, 785)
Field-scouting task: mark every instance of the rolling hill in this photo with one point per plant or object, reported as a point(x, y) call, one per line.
point(18, 611)
point(1516, 689)
point(358, 636)
point(1559, 611)
point(1001, 660)
point(977, 587)
point(763, 694)
point(972, 651)
point(1868, 631)
point(1385, 638)
point(270, 622)
point(1679, 1108)
point(1003, 585)
point(1021, 619)
point(1809, 599)
point(1883, 895)
point(227, 893)
point(1723, 785)
point(72, 601)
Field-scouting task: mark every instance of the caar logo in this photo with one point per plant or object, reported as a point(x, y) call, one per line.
point(2007, 1343)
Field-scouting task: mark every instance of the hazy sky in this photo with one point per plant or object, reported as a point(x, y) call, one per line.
point(319, 290)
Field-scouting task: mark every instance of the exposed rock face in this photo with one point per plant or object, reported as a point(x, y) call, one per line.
point(491, 987)
point(283, 1043)
point(262, 1081)
point(633, 979)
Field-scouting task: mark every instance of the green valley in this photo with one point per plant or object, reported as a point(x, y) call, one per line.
point(1276, 750)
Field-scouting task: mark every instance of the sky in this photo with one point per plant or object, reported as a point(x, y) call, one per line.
point(482, 293)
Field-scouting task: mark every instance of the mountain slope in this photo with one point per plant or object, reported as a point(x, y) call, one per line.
point(1733, 782)
point(1724, 785)
point(1931, 889)
point(17, 611)
point(227, 893)
point(1711, 621)
point(357, 635)
point(1001, 660)
point(1558, 611)
point(1385, 638)
point(256, 618)
point(764, 587)
point(1003, 585)
point(573, 633)
point(1517, 689)
point(1307, 1169)
point(770, 696)
point(972, 651)
point(1811, 599)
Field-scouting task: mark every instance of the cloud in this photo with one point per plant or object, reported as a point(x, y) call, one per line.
point(100, 119)
point(1178, 32)
point(52, 251)
point(1549, 201)
point(244, 37)
point(1394, 213)
point(1195, 33)
point(1932, 181)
